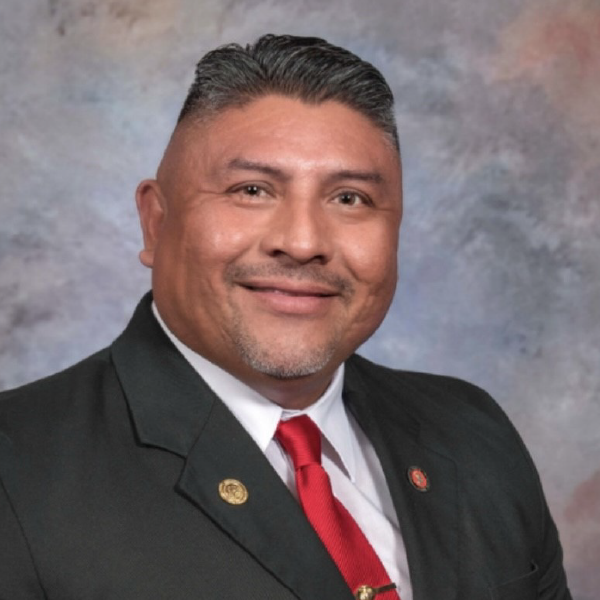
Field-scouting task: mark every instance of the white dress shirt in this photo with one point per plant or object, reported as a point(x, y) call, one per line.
point(356, 475)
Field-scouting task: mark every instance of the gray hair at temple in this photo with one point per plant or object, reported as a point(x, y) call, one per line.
point(307, 68)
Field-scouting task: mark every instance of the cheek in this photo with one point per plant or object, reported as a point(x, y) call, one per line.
point(375, 271)
point(373, 259)
point(212, 237)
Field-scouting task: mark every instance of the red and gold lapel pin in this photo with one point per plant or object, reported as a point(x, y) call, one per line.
point(418, 479)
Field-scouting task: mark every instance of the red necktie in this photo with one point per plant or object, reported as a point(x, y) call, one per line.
point(346, 543)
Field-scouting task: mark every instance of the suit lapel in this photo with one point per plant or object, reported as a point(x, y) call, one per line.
point(172, 408)
point(428, 519)
point(270, 524)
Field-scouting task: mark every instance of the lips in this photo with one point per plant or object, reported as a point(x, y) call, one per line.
point(291, 298)
point(290, 291)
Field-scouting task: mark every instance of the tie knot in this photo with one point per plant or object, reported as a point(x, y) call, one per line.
point(301, 439)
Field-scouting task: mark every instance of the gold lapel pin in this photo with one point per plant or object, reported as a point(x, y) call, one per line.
point(233, 491)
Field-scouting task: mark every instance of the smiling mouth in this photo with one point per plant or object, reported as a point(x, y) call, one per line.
point(286, 292)
point(292, 299)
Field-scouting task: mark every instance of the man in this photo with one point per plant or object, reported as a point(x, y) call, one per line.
point(162, 466)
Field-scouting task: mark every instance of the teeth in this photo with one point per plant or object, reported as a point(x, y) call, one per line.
point(285, 292)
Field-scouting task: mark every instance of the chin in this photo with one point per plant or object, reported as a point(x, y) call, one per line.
point(281, 366)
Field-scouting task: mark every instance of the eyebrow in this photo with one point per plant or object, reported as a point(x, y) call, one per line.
point(248, 165)
point(342, 175)
point(368, 176)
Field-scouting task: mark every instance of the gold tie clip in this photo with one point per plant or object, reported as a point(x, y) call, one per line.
point(366, 592)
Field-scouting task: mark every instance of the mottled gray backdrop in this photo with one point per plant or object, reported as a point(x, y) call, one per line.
point(498, 105)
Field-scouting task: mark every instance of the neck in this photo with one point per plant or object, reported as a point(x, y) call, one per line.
point(294, 394)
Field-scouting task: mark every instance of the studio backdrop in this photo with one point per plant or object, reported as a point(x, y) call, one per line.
point(498, 107)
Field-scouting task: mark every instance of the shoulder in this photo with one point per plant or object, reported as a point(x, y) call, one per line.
point(42, 409)
point(458, 418)
point(426, 390)
point(53, 430)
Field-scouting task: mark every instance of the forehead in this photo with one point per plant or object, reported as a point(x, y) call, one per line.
point(288, 132)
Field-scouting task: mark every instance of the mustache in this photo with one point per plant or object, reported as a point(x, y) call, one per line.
point(310, 273)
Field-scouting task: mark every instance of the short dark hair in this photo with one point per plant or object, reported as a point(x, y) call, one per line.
point(307, 68)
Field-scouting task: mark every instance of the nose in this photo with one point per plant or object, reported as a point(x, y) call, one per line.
point(299, 230)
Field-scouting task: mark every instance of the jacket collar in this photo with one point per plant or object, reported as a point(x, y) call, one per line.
point(168, 401)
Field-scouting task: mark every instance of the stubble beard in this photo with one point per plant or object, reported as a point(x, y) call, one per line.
point(282, 361)
point(287, 359)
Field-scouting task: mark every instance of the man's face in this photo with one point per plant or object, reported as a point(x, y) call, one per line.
point(272, 233)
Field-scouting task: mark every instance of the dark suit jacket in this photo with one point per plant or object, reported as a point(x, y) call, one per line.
point(110, 474)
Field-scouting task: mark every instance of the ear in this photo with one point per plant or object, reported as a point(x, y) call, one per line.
point(152, 211)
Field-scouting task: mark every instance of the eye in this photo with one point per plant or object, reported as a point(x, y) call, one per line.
point(252, 190)
point(352, 199)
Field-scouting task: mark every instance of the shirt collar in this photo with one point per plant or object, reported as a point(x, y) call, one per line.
point(260, 416)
